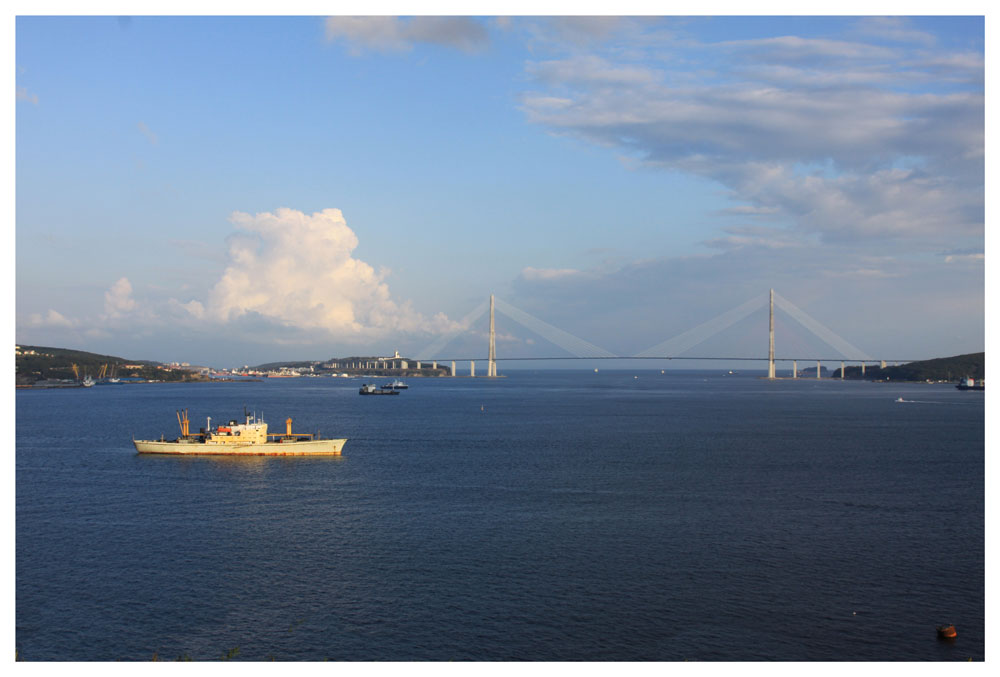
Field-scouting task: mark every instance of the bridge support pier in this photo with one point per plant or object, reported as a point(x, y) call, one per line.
point(472, 367)
point(795, 368)
point(883, 364)
point(817, 369)
point(418, 365)
point(862, 368)
point(453, 372)
point(841, 371)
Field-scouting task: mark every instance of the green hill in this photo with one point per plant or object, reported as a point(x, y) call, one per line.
point(939, 369)
point(38, 363)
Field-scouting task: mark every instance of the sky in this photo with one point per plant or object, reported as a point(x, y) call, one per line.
point(238, 190)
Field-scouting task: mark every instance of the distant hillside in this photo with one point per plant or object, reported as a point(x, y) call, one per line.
point(939, 369)
point(37, 363)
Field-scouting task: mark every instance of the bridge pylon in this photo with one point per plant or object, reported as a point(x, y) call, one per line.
point(770, 352)
point(491, 366)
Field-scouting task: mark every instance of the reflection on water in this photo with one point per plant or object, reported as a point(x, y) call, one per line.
point(243, 465)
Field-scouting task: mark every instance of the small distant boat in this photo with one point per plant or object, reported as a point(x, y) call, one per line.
point(947, 631)
point(395, 385)
point(370, 389)
point(900, 399)
point(87, 382)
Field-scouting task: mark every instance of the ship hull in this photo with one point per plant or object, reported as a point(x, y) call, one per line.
point(306, 448)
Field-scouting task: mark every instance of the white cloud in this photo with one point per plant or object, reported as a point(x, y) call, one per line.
point(51, 320)
point(297, 270)
point(118, 299)
point(890, 204)
point(825, 136)
point(291, 281)
point(192, 309)
point(387, 33)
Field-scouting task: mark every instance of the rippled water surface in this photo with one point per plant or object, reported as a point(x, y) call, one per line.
point(541, 516)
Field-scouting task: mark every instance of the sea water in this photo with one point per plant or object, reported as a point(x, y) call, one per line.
point(560, 515)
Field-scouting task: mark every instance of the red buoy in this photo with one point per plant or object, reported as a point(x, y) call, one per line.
point(947, 632)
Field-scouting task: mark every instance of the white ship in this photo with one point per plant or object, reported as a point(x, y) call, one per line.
point(249, 438)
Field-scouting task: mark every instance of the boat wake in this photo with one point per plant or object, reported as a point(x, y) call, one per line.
point(901, 400)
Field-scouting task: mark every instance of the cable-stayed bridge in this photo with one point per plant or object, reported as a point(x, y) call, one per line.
point(675, 348)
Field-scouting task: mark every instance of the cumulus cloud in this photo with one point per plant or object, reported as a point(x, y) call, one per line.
point(292, 280)
point(192, 309)
point(298, 270)
point(51, 320)
point(846, 139)
point(118, 299)
point(388, 34)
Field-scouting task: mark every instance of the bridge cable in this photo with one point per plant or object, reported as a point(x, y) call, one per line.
point(704, 331)
point(435, 347)
point(563, 339)
point(824, 334)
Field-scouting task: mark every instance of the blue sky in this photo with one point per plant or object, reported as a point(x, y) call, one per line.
point(226, 190)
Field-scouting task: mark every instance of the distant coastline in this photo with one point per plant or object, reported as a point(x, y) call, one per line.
point(937, 370)
point(48, 367)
